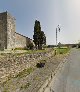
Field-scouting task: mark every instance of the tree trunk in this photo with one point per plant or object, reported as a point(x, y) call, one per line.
point(40, 46)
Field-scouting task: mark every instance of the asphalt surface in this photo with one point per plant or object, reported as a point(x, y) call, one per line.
point(68, 78)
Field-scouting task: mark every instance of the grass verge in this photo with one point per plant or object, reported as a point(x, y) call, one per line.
point(62, 50)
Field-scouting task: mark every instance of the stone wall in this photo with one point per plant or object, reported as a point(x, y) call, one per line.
point(9, 39)
point(21, 41)
point(10, 65)
point(7, 31)
point(3, 31)
point(10, 31)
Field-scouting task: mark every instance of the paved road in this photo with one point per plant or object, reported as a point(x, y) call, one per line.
point(68, 79)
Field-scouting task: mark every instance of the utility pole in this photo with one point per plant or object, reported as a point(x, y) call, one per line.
point(56, 37)
point(57, 29)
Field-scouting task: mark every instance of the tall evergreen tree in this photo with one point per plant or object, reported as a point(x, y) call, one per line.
point(39, 36)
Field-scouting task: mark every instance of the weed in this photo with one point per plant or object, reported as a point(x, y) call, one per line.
point(25, 86)
point(24, 73)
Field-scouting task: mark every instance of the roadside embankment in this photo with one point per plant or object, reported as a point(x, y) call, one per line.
point(26, 76)
point(11, 64)
point(50, 82)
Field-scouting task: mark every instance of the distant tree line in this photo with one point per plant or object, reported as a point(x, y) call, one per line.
point(39, 36)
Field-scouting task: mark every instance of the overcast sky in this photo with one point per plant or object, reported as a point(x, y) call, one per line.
point(50, 13)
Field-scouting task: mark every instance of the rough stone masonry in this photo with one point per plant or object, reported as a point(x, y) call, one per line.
point(9, 39)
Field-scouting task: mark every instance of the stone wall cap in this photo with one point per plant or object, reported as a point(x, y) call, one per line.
point(7, 13)
point(23, 35)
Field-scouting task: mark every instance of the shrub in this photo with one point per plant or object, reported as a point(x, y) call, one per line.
point(30, 46)
point(40, 65)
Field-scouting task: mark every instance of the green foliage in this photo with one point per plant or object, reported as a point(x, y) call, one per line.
point(37, 29)
point(42, 38)
point(34, 51)
point(39, 36)
point(20, 49)
point(5, 90)
point(62, 50)
point(24, 73)
point(30, 46)
point(59, 45)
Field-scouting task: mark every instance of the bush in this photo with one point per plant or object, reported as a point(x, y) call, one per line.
point(30, 46)
point(40, 65)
